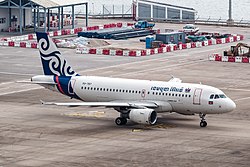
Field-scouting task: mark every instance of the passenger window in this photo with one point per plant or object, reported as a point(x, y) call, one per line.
point(211, 96)
point(186, 95)
point(216, 97)
point(139, 92)
point(100, 89)
point(153, 93)
point(91, 88)
point(148, 93)
point(182, 95)
point(133, 91)
point(189, 95)
point(159, 93)
point(97, 88)
point(172, 94)
point(156, 93)
point(176, 95)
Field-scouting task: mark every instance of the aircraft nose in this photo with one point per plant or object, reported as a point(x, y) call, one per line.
point(231, 105)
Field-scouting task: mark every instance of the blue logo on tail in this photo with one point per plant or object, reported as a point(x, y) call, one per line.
point(52, 61)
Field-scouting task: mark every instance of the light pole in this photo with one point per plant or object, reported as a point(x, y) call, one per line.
point(230, 20)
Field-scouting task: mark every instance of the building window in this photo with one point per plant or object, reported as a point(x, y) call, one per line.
point(2, 20)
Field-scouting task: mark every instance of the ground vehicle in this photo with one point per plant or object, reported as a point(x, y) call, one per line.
point(144, 24)
point(241, 49)
point(190, 29)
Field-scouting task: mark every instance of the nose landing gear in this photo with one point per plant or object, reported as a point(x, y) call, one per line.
point(203, 122)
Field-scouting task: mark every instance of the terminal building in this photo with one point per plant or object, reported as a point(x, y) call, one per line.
point(156, 11)
point(16, 15)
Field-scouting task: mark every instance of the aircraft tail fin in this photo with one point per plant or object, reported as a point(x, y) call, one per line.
point(52, 61)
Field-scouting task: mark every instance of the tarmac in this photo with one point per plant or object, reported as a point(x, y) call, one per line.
point(32, 134)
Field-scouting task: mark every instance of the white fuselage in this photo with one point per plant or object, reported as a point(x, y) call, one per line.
point(183, 98)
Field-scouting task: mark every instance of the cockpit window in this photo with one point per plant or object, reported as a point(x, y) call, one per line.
point(216, 97)
point(212, 96)
point(222, 96)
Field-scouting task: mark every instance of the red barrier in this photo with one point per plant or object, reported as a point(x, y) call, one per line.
point(79, 29)
point(160, 50)
point(23, 44)
point(55, 33)
point(203, 43)
point(112, 25)
point(193, 44)
point(106, 26)
point(132, 53)
point(119, 24)
point(152, 51)
point(210, 42)
point(184, 46)
point(235, 38)
point(63, 32)
point(105, 51)
point(92, 51)
point(130, 24)
point(231, 59)
point(168, 49)
point(30, 37)
point(68, 32)
point(227, 40)
point(76, 30)
point(33, 45)
point(245, 60)
point(218, 57)
point(119, 52)
point(218, 41)
point(89, 28)
point(143, 52)
point(241, 37)
point(11, 43)
point(163, 45)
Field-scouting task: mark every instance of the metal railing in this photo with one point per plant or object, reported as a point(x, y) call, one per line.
point(208, 21)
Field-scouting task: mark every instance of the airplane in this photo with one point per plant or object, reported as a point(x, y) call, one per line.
point(136, 100)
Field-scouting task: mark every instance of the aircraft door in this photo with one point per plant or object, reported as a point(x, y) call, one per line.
point(197, 96)
point(143, 93)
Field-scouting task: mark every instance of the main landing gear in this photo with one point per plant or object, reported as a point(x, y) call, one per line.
point(203, 122)
point(120, 121)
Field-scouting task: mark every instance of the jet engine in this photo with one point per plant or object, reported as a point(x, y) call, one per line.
point(143, 116)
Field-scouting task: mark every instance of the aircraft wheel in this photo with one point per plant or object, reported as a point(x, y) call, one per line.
point(120, 121)
point(203, 124)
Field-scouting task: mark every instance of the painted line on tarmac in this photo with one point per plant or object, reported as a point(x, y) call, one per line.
point(162, 68)
point(245, 98)
point(243, 90)
point(13, 73)
point(18, 91)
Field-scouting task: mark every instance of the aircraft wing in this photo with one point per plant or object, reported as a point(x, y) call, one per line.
point(136, 104)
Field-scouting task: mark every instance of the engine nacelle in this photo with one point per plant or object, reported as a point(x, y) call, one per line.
point(143, 116)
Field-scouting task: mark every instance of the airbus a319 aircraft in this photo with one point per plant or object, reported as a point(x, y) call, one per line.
point(136, 100)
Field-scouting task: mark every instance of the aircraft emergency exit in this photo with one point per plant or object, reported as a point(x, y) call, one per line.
point(136, 100)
